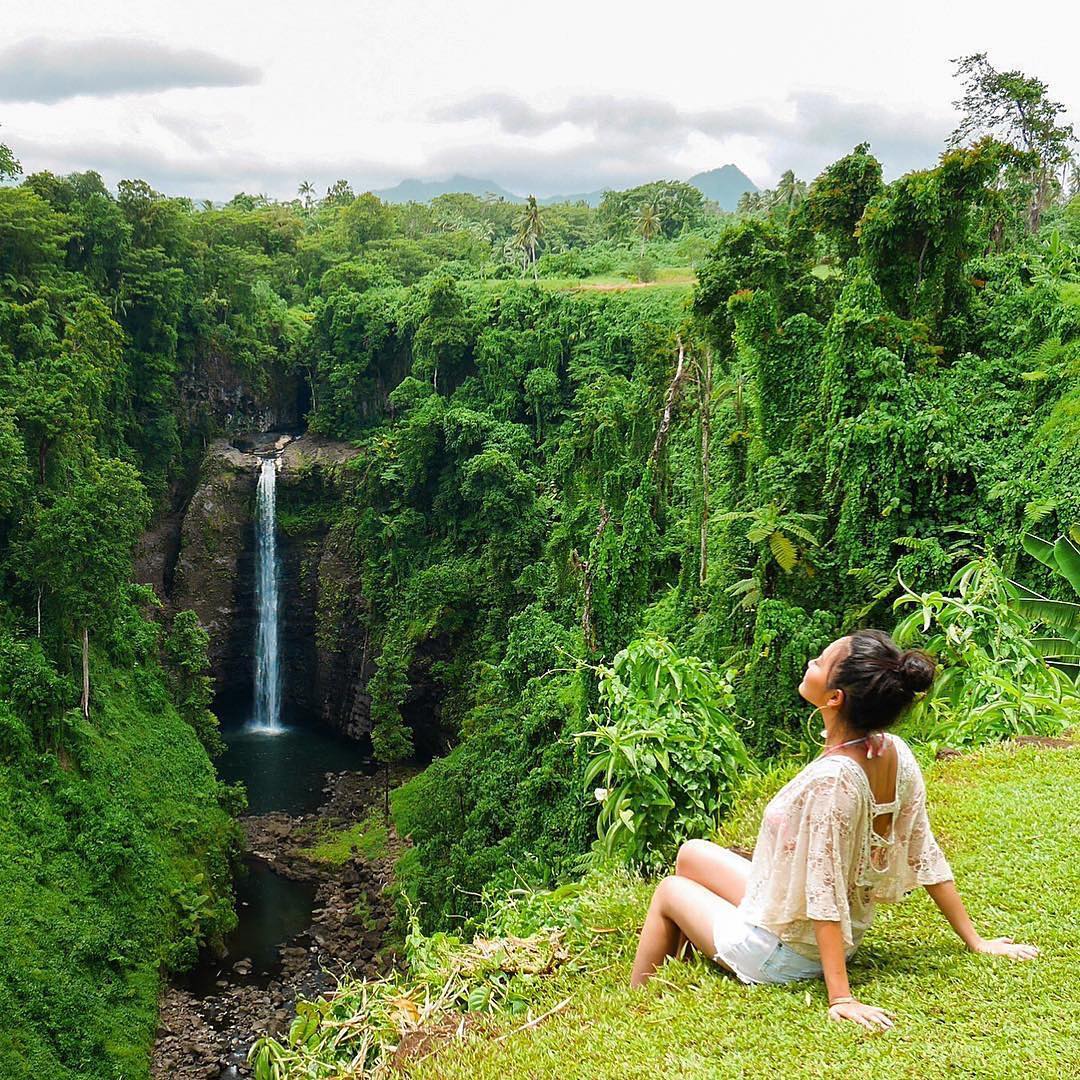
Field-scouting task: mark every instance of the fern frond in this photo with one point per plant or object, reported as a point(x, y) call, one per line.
point(783, 551)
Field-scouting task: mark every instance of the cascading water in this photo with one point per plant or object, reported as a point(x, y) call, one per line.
point(267, 716)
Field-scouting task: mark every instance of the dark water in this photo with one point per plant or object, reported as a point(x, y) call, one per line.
point(284, 771)
point(287, 771)
point(272, 910)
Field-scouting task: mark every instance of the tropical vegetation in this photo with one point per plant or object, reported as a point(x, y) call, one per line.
point(620, 470)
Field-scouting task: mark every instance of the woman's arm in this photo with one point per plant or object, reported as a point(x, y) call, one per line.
point(945, 895)
point(834, 965)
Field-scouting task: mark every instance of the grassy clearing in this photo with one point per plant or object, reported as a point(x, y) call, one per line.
point(676, 279)
point(367, 838)
point(1009, 821)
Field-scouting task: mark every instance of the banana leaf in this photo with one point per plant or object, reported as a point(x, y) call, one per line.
point(1067, 559)
point(1039, 549)
point(1061, 647)
point(1062, 615)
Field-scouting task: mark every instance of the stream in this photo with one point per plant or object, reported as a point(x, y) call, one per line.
point(301, 923)
point(282, 772)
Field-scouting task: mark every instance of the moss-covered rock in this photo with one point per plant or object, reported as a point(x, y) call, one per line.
point(214, 569)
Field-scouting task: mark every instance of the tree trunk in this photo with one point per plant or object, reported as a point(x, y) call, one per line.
point(1038, 202)
point(363, 657)
point(706, 399)
point(86, 673)
point(582, 566)
point(40, 588)
point(669, 404)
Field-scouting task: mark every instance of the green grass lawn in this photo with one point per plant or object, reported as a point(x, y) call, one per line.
point(1009, 822)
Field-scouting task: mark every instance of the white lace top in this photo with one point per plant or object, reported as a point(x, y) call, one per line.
point(818, 855)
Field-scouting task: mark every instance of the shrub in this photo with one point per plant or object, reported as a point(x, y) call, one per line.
point(642, 269)
point(669, 757)
point(995, 682)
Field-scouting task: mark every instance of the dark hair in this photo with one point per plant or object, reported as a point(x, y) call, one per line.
point(879, 681)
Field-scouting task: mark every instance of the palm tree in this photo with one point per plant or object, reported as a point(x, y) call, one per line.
point(750, 202)
point(648, 223)
point(306, 191)
point(529, 230)
point(790, 191)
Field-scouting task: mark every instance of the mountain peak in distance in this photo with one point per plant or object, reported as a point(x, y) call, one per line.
point(723, 185)
point(425, 190)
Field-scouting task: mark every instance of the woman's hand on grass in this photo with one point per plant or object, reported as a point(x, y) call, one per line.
point(870, 1016)
point(1005, 946)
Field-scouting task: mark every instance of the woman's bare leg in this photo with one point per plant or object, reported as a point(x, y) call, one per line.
point(718, 868)
point(680, 909)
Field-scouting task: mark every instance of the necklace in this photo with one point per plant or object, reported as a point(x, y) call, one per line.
point(875, 744)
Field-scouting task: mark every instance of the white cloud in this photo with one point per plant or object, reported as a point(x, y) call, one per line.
point(574, 97)
point(641, 138)
point(44, 70)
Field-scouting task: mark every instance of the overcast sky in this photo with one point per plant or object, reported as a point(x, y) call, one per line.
point(210, 98)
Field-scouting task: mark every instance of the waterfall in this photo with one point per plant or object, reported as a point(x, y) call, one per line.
point(267, 662)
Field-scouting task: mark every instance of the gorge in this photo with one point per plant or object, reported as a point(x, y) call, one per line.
point(297, 915)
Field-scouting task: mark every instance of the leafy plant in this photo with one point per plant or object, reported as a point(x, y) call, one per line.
point(669, 758)
point(1056, 260)
point(1062, 648)
point(777, 525)
point(358, 1029)
point(994, 682)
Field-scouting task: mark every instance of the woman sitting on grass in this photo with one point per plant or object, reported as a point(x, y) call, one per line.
point(848, 831)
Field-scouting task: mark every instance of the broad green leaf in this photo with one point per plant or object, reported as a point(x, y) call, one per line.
point(1067, 556)
point(1039, 549)
point(1060, 614)
point(596, 767)
point(1056, 646)
point(1069, 667)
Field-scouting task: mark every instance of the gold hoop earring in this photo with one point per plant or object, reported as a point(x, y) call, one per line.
point(820, 739)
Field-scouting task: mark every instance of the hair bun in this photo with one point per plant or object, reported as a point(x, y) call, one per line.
point(917, 669)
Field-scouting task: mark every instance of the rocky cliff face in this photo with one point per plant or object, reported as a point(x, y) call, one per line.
point(327, 661)
point(214, 569)
point(201, 556)
point(217, 396)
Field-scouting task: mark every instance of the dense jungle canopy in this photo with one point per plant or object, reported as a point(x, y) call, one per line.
point(601, 451)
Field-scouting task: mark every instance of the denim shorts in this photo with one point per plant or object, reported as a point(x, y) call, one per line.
point(757, 955)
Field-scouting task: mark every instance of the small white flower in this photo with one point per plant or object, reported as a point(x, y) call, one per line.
point(601, 793)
